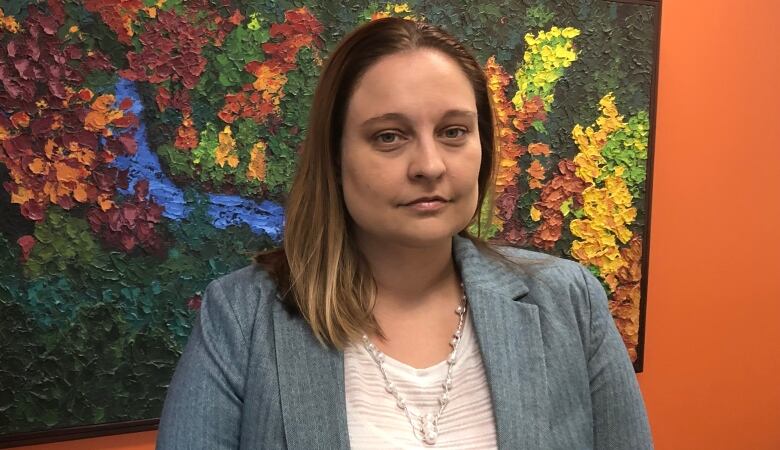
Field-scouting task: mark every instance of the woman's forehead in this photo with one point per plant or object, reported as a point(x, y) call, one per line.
point(412, 83)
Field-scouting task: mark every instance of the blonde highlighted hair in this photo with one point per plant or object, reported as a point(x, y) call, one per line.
point(319, 271)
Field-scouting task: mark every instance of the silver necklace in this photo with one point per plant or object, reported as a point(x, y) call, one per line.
point(424, 426)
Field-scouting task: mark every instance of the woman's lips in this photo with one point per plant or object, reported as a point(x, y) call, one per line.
point(427, 205)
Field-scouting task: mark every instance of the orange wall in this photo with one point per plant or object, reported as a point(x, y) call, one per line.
point(712, 378)
point(712, 362)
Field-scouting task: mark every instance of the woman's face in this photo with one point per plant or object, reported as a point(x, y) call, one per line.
point(410, 151)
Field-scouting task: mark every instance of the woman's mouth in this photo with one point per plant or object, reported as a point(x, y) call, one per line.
point(427, 204)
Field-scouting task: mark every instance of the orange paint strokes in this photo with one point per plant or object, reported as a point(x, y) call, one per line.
point(256, 168)
point(624, 301)
point(536, 173)
point(101, 115)
point(20, 120)
point(186, 135)
point(539, 149)
point(508, 170)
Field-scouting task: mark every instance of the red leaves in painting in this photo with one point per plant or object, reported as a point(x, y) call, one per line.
point(513, 232)
point(51, 140)
point(172, 44)
point(563, 186)
point(186, 135)
point(27, 243)
point(131, 224)
point(163, 98)
point(119, 15)
point(194, 302)
point(35, 65)
point(624, 304)
point(20, 119)
point(247, 104)
point(300, 29)
point(532, 111)
point(171, 51)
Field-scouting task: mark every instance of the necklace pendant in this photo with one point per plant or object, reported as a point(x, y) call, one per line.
point(429, 429)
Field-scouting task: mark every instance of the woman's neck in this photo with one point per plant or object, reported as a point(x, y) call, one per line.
point(406, 274)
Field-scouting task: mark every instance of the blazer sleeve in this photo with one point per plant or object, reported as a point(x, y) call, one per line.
point(619, 416)
point(204, 401)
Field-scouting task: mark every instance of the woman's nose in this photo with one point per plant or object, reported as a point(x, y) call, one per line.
point(427, 160)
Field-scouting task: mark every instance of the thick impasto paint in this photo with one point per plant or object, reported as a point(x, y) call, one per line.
point(146, 148)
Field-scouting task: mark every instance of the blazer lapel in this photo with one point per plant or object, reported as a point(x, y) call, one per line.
point(311, 385)
point(510, 339)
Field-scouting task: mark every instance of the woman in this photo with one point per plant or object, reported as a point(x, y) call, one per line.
point(382, 323)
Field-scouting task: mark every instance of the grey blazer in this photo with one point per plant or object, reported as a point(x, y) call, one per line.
point(252, 375)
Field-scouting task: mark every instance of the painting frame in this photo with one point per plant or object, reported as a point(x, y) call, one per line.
point(104, 429)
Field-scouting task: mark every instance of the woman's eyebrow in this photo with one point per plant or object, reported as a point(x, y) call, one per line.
point(460, 113)
point(386, 117)
point(403, 118)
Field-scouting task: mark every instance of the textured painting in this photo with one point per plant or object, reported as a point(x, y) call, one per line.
point(146, 148)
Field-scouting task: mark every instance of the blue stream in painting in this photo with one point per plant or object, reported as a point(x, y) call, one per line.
point(224, 210)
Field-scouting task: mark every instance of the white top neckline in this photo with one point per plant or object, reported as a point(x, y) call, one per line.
point(375, 422)
point(437, 372)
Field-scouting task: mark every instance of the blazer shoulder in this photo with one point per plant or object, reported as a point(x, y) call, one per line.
point(538, 265)
point(556, 284)
point(246, 293)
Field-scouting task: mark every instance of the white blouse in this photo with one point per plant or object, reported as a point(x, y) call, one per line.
point(375, 422)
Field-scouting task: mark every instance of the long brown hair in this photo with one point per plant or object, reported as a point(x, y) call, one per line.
point(319, 272)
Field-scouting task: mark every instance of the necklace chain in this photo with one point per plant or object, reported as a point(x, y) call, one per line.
point(424, 426)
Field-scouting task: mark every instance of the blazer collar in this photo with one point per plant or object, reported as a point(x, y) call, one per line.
point(311, 377)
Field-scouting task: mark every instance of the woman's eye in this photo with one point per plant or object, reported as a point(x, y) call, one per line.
point(454, 133)
point(387, 138)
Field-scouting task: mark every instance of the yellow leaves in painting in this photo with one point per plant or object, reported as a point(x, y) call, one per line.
point(270, 81)
point(608, 212)
point(546, 56)
point(400, 9)
point(8, 23)
point(256, 168)
point(536, 215)
point(590, 142)
point(225, 153)
point(607, 203)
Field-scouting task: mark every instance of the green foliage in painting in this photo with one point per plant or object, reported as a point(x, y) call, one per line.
point(627, 148)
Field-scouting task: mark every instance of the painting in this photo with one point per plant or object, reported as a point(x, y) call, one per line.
point(147, 146)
